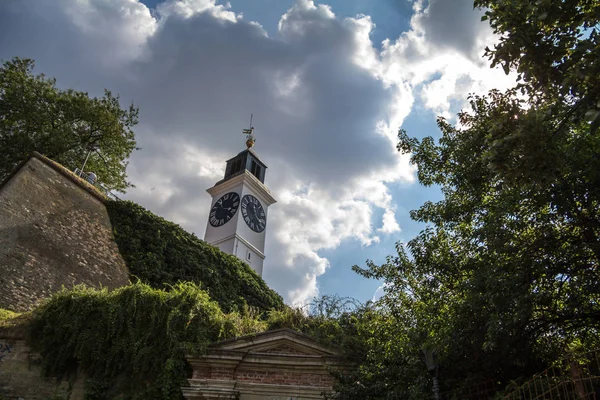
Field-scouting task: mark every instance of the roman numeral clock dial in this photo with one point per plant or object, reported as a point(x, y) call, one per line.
point(224, 209)
point(253, 213)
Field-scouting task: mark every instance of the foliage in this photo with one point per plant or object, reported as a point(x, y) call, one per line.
point(389, 367)
point(161, 253)
point(504, 278)
point(522, 209)
point(13, 323)
point(335, 322)
point(554, 47)
point(7, 314)
point(64, 125)
point(130, 343)
point(131, 340)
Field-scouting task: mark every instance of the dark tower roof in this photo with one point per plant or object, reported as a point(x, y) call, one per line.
point(245, 160)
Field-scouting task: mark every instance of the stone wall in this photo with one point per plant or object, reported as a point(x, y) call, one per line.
point(21, 375)
point(54, 232)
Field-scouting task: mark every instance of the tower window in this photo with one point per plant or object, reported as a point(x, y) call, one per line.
point(249, 255)
point(255, 169)
point(236, 166)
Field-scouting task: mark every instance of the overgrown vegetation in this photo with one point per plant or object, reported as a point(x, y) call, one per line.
point(338, 323)
point(504, 279)
point(7, 315)
point(130, 343)
point(160, 253)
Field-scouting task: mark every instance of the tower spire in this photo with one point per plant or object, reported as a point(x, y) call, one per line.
point(249, 134)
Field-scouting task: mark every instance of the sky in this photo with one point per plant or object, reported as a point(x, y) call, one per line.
point(329, 84)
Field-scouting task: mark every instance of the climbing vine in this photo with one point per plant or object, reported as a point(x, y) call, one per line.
point(160, 253)
point(130, 343)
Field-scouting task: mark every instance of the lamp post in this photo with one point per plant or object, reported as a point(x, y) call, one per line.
point(432, 366)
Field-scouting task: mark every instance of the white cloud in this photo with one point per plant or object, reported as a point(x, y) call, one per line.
point(390, 225)
point(189, 8)
point(117, 27)
point(327, 106)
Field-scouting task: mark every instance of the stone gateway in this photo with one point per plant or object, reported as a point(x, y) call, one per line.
point(278, 364)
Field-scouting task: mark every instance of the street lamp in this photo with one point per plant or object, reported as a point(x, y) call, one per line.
point(432, 366)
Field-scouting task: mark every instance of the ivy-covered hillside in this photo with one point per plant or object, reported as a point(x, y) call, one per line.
point(160, 253)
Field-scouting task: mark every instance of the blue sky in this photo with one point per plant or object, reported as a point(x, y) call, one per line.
point(329, 83)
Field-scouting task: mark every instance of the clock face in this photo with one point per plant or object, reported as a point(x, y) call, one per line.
point(253, 213)
point(224, 209)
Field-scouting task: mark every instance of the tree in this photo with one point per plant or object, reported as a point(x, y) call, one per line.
point(64, 125)
point(555, 48)
point(505, 279)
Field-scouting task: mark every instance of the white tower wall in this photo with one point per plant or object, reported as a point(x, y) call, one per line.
point(235, 236)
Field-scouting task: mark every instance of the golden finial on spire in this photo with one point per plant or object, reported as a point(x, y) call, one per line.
point(249, 134)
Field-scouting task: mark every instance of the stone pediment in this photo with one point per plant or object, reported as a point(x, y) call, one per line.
point(278, 364)
point(276, 342)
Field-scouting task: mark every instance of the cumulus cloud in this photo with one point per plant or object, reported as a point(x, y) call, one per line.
point(327, 106)
point(440, 57)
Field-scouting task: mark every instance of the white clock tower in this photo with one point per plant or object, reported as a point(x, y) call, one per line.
point(238, 216)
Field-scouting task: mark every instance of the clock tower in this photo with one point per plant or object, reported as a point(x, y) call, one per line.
point(237, 220)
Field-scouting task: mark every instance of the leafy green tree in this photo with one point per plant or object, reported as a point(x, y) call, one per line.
point(555, 48)
point(64, 125)
point(505, 277)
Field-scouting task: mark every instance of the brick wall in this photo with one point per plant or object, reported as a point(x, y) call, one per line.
point(267, 376)
point(53, 232)
point(284, 378)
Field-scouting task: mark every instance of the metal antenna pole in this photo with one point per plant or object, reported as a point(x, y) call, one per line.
point(85, 162)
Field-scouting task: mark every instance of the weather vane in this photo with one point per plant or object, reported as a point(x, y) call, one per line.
point(249, 134)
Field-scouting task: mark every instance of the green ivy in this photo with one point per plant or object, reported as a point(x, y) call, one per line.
point(160, 253)
point(131, 343)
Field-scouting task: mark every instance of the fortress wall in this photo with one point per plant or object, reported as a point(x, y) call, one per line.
point(54, 232)
point(21, 375)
